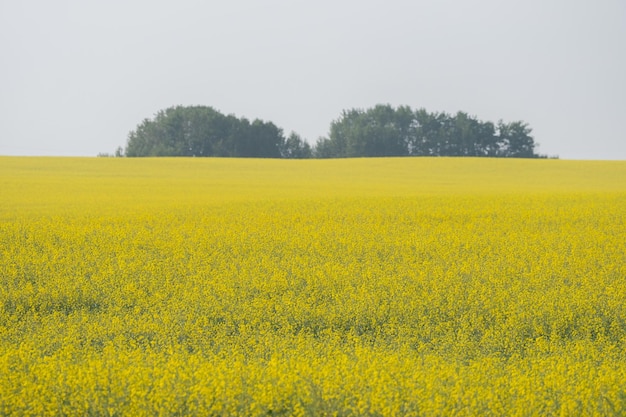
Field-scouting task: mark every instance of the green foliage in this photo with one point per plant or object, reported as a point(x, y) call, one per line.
point(379, 131)
point(295, 147)
point(387, 131)
point(203, 131)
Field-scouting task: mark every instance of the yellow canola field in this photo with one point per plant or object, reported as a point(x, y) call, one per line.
point(389, 287)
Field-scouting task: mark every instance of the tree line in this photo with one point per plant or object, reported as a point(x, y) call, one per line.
point(382, 130)
point(203, 131)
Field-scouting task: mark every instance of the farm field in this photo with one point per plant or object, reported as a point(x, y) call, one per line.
point(388, 287)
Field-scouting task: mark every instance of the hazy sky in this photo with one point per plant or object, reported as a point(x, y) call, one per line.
point(77, 75)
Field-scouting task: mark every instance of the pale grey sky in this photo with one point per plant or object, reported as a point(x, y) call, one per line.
point(77, 75)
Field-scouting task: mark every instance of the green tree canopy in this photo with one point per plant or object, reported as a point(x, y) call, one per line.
point(295, 147)
point(204, 131)
point(387, 131)
point(382, 130)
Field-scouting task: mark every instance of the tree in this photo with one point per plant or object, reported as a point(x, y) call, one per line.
point(203, 131)
point(387, 131)
point(295, 147)
point(515, 140)
point(380, 131)
point(323, 148)
point(265, 140)
point(426, 137)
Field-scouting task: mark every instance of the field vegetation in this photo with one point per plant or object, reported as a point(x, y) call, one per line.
point(390, 287)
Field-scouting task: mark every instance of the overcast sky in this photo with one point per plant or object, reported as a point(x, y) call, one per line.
point(77, 75)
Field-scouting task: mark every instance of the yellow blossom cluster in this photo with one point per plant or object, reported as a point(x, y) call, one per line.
point(381, 287)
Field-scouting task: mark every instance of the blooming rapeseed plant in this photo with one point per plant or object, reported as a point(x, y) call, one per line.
point(408, 287)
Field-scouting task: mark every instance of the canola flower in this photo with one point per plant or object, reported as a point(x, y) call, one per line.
point(389, 287)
